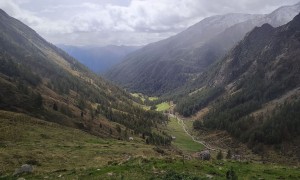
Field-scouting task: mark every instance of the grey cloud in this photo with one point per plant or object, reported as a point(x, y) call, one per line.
point(123, 22)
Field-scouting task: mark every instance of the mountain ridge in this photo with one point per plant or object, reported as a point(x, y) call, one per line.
point(162, 67)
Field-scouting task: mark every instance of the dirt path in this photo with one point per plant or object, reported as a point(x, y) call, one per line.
point(180, 122)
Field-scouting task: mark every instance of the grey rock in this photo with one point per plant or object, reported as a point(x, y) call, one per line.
point(25, 168)
point(204, 155)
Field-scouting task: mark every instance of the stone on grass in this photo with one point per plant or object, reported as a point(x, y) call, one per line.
point(204, 155)
point(25, 168)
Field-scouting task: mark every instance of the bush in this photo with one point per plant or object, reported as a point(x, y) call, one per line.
point(230, 175)
point(220, 155)
point(228, 156)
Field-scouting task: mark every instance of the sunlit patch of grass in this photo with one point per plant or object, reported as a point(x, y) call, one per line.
point(139, 95)
point(153, 98)
point(162, 106)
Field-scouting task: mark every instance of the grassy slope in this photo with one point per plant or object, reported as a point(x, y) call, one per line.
point(162, 106)
point(158, 168)
point(143, 97)
point(64, 152)
point(182, 141)
point(153, 98)
point(138, 95)
point(56, 148)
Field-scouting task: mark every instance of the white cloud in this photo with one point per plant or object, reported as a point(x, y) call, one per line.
point(12, 8)
point(122, 21)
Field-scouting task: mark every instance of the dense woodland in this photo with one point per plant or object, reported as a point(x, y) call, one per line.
point(282, 124)
point(232, 113)
point(24, 95)
point(198, 100)
point(252, 78)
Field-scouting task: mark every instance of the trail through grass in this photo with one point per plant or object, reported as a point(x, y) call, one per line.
point(182, 141)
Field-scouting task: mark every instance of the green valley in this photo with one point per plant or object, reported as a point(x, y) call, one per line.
point(219, 99)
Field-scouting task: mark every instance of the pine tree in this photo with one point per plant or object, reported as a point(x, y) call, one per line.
point(118, 128)
point(55, 108)
point(220, 155)
point(38, 101)
point(230, 175)
point(228, 156)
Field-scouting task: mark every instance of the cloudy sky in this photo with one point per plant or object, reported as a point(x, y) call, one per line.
point(123, 22)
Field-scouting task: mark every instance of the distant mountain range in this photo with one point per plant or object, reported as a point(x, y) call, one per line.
point(99, 59)
point(163, 66)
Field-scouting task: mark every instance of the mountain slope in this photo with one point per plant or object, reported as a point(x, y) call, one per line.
point(166, 65)
point(253, 92)
point(41, 80)
point(99, 59)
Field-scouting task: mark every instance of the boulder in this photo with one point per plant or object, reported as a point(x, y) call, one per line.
point(204, 155)
point(25, 168)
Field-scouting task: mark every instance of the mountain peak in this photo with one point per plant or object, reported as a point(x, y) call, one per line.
point(3, 12)
point(296, 21)
point(266, 26)
point(261, 31)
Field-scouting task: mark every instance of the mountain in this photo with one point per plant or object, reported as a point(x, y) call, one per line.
point(41, 80)
point(98, 59)
point(253, 92)
point(166, 65)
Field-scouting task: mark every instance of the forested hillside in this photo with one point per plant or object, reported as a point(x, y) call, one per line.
point(253, 92)
point(41, 80)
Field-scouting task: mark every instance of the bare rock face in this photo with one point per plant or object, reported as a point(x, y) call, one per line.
point(25, 168)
